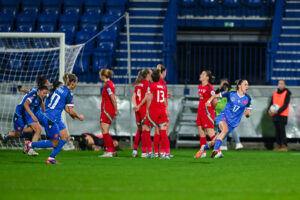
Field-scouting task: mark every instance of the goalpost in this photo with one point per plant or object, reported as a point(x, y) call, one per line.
point(24, 57)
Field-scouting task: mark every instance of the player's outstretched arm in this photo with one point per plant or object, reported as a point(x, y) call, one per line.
point(71, 111)
point(212, 98)
point(25, 90)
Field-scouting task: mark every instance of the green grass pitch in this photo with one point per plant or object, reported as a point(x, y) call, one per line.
point(82, 175)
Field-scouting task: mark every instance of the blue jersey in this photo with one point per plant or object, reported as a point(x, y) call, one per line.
point(35, 103)
point(48, 99)
point(60, 98)
point(235, 107)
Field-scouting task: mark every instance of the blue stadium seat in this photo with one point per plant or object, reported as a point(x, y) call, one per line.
point(52, 3)
point(82, 37)
point(34, 3)
point(6, 18)
point(37, 64)
point(31, 10)
point(254, 8)
point(101, 59)
point(93, 11)
point(73, 4)
point(46, 18)
point(10, 3)
point(208, 3)
point(108, 19)
point(88, 18)
point(231, 8)
point(94, 3)
point(6, 27)
point(188, 3)
point(68, 18)
point(26, 18)
point(46, 28)
point(72, 10)
point(52, 10)
point(82, 64)
point(10, 10)
point(116, 7)
point(25, 28)
point(253, 3)
point(92, 28)
point(69, 30)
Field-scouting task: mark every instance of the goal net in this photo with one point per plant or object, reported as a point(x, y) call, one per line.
point(24, 57)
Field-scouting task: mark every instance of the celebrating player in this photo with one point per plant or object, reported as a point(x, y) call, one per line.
point(156, 115)
point(26, 113)
point(206, 114)
point(238, 103)
point(61, 99)
point(40, 81)
point(140, 107)
point(108, 111)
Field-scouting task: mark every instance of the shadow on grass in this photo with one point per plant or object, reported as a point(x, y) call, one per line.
point(201, 162)
point(27, 162)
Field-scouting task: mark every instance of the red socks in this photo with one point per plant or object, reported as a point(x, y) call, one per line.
point(212, 137)
point(156, 140)
point(202, 141)
point(108, 142)
point(137, 139)
point(164, 142)
point(146, 142)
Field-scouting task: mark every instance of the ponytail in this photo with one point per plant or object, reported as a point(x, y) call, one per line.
point(210, 76)
point(69, 78)
point(106, 73)
point(138, 79)
point(141, 76)
point(161, 68)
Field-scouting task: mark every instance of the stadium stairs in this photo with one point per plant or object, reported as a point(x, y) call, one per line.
point(146, 38)
point(287, 56)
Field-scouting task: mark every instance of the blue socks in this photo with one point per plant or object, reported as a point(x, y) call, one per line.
point(206, 147)
point(42, 144)
point(217, 144)
point(57, 149)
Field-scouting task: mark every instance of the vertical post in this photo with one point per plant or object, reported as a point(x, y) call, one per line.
point(129, 73)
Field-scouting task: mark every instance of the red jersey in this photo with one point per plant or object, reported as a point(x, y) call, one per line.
point(140, 91)
point(163, 83)
point(159, 95)
point(205, 92)
point(109, 89)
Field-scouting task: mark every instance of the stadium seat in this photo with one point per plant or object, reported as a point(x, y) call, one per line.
point(6, 27)
point(94, 3)
point(46, 28)
point(31, 10)
point(73, 5)
point(231, 8)
point(253, 3)
point(188, 3)
point(26, 18)
point(69, 30)
point(52, 11)
point(108, 19)
point(10, 10)
point(25, 28)
point(52, 3)
point(6, 18)
point(10, 3)
point(72, 10)
point(82, 37)
point(208, 3)
point(33, 3)
point(92, 28)
point(68, 18)
point(82, 63)
point(101, 59)
point(88, 18)
point(46, 18)
point(93, 11)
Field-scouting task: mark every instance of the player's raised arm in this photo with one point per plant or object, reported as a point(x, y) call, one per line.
point(212, 98)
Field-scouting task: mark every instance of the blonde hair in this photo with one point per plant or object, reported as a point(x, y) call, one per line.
point(141, 75)
point(106, 73)
point(161, 67)
point(69, 78)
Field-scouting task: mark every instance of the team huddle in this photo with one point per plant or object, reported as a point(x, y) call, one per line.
point(41, 107)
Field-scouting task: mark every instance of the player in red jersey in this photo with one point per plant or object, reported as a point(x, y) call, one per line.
point(140, 108)
point(108, 110)
point(156, 116)
point(156, 138)
point(206, 115)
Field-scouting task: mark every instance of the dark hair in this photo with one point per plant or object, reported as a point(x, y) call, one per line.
point(106, 73)
point(40, 81)
point(210, 76)
point(155, 75)
point(141, 75)
point(161, 67)
point(282, 80)
point(239, 82)
point(69, 78)
point(42, 87)
point(55, 85)
point(225, 86)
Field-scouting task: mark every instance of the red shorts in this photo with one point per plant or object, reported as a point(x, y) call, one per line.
point(206, 118)
point(156, 117)
point(107, 116)
point(140, 117)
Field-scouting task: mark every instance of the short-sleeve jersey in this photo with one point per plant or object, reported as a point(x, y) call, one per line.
point(159, 95)
point(34, 105)
point(140, 91)
point(108, 89)
point(205, 92)
point(235, 107)
point(61, 97)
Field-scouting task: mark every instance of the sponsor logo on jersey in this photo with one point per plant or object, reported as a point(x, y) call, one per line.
point(19, 128)
point(232, 99)
point(245, 102)
point(56, 135)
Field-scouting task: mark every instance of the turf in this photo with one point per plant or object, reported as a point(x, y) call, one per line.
point(82, 175)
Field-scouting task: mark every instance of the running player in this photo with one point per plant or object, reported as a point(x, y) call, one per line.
point(61, 99)
point(139, 102)
point(238, 103)
point(25, 114)
point(108, 111)
point(156, 138)
point(156, 116)
point(206, 114)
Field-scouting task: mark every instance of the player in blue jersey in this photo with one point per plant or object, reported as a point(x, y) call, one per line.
point(55, 85)
point(40, 81)
point(238, 104)
point(25, 114)
point(62, 99)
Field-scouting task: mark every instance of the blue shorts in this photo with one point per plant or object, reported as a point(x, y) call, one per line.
point(51, 128)
point(61, 125)
point(19, 123)
point(222, 118)
point(28, 118)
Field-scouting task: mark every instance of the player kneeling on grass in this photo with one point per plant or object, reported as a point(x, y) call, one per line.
point(61, 99)
point(26, 113)
point(238, 103)
point(156, 115)
point(89, 141)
